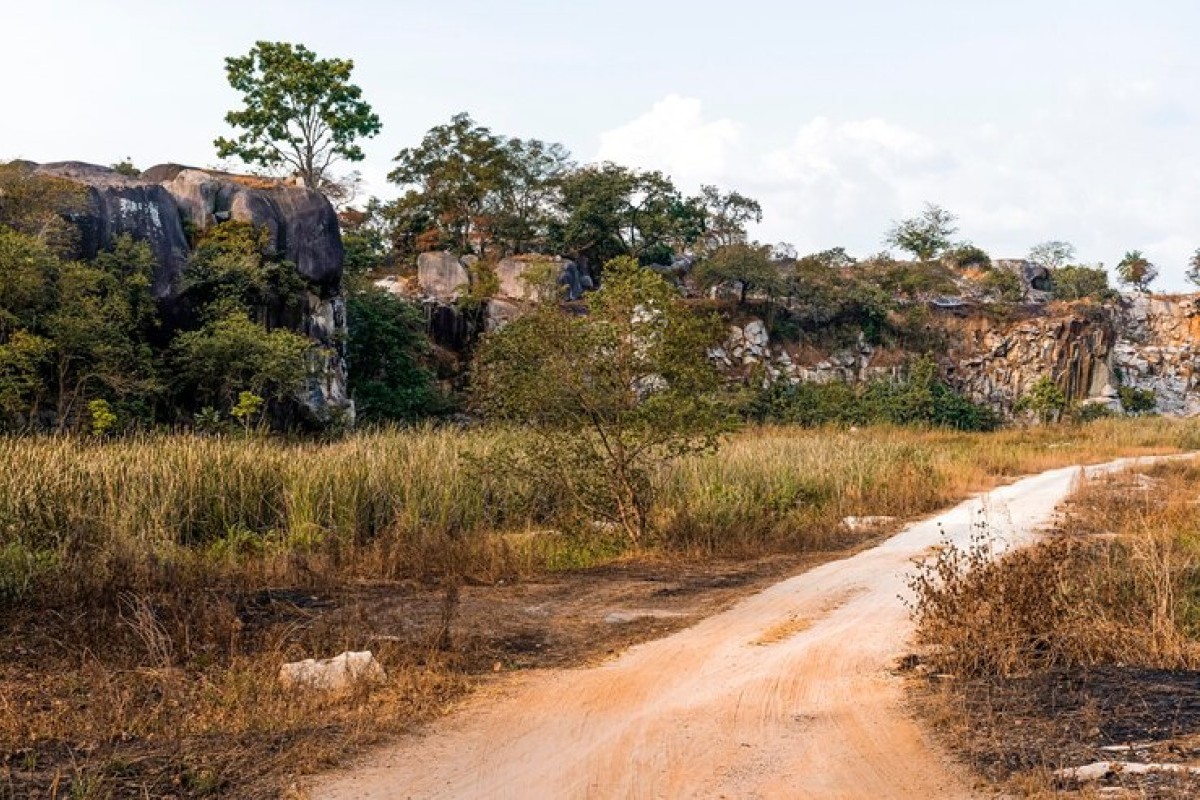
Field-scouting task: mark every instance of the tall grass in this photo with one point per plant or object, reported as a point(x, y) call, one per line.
point(80, 517)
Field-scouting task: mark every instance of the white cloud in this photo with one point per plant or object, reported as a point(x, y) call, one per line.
point(673, 137)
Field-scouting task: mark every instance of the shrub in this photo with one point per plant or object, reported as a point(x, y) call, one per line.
point(1137, 401)
point(920, 399)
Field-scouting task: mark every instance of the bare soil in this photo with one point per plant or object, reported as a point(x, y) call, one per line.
point(62, 671)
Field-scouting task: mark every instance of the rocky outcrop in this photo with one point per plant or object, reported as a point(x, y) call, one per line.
point(1142, 342)
point(1158, 348)
point(441, 276)
point(519, 275)
point(995, 363)
point(117, 205)
point(158, 206)
point(301, 223)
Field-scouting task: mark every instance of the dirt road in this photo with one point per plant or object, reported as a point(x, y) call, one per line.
point(789, 694)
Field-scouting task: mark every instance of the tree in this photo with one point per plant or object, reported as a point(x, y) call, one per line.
point(518, 216)
point(749, 266)
point(606, 211)
point(726, 216)
point(612, 394)
point(1193, 270)
point(101, 328)
point(386, 351)
point(1052, 254)
point(925, 236)
point(1077, 282)
point(1137, 402)
point(450, 178)
point(1045, 399)
point(1136, 270)
point(232, 354)
point(965, 255)
point(299, 112)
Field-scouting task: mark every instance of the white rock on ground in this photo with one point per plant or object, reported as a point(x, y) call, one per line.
point(333, 674)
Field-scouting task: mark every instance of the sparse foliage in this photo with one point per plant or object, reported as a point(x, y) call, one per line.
point(1052, 254)
point(612, 394)
point(299, 113)
point(1135, 270)
point(925, 236)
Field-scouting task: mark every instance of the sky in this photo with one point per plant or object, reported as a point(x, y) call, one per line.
point(1031, 120)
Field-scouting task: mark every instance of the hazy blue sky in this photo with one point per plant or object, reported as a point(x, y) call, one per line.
point(1031, 120)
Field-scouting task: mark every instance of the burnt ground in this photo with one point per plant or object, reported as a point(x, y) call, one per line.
point(65, 739)
point(1017, 732)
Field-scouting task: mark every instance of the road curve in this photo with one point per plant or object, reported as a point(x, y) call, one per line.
point(789, 694)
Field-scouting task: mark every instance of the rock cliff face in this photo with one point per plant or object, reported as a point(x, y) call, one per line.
point(156, 206)
point(1158, 347)
point(1140, 342)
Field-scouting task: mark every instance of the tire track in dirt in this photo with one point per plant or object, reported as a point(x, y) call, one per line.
point(789, 694)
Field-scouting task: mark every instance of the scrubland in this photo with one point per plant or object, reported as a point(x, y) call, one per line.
point(1080, 649)
point(150, 588)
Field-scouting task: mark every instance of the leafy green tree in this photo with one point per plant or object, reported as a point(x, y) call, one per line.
point(366, 238)
point(607, 211)
point(1136, 270)
point(518, 215)
point(925, 236)
point(1137, 402)
point(612, 394)
point(965, 255)
point(233, 354)
point(248, 406)
point(749, 266)
point(1078, 282)
point(387, 350)
point(230, 271)
point(1045, 399)
point(28, 274)
point(298, 112)
point(726, 216)
point(101, 329)
point(103, 420)
point(1052, 255)
point(24, 359)
point(451, 177)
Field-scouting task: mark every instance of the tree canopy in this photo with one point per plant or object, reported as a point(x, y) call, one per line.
point(926, 235)
point(299, 112)
point(1135, 270)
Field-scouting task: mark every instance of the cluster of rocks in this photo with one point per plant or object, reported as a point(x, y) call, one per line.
point(748, 352)
point(161, 204)
point(443, 278)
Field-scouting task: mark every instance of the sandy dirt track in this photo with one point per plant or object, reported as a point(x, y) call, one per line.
point(789, 694)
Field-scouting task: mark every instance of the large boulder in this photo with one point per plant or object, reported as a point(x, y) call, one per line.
point(302, 223)
point(118, 204)
point(154, 207)
point(1036, 281)
point(441, 275)
point(517, 273)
